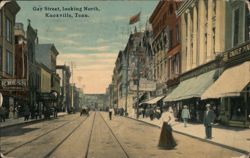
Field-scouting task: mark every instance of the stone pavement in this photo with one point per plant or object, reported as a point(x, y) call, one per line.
point(236, 138)
point(20, 120)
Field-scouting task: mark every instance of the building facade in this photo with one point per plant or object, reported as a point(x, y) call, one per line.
point(8, 13)
point(166, 44)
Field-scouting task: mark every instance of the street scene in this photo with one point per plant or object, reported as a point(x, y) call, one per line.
point(119, 79)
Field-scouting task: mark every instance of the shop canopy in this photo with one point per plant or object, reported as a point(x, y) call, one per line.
point(230, 83)
point(155, 100)
point(193, 87)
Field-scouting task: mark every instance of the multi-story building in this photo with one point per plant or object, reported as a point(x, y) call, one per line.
point(33, 68)
point(232, 88)
point(166, 45)
point(46, 55)
point(8, 12)
point(21, 63)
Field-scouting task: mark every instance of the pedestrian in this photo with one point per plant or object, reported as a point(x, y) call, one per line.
point(11, 112)
point(111, 110)
point(26, 113)
point(185, 115)
point(208, 121)
point(167, 140)
point(2, 114)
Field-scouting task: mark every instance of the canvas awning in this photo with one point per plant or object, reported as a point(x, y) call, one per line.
point(155, 100)
point(193, 87)
point(230, 83)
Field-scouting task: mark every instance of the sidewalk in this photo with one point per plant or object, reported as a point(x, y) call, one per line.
point(230, 137)
point(12, 122)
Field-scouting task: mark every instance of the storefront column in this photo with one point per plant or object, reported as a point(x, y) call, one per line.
point(189, 31)
point(202, 18)
point(194, 64)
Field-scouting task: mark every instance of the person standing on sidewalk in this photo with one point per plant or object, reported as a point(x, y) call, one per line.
point(185, 115)
point(167, 140)
point(111, 110)
point(2, 114)
point(208, 121)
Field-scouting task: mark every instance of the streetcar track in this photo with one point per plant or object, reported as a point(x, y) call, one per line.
point(113, 134)
point(62, 141)
point(40, 136)
point(90, 136)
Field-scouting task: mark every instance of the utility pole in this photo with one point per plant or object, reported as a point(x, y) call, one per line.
point(138, 85)
point(72, 88)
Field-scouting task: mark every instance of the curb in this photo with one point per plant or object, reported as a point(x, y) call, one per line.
point(198, 138)
point(27, 123)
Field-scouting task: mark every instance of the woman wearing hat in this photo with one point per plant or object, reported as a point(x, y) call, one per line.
point(185, 115)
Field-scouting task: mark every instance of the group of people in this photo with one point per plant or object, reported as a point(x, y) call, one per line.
point(10, 112)
point(167, 140)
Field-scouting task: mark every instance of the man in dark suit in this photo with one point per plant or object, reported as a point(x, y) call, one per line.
point(209, 117)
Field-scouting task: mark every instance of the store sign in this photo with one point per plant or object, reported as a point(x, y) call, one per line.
point(14, 84)
point(145, 85)
point(237, 51)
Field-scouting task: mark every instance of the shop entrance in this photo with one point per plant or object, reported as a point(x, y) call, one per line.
point(238, 109)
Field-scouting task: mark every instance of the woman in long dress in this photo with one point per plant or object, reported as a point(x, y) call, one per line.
point(167, 140)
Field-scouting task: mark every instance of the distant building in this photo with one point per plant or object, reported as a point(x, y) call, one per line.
point(94, 101)
point(46, 55)
point(64, 95)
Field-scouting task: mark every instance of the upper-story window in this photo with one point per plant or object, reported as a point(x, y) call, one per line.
point(247, 26)
point(171, 9)
point(8, 30)
point(9, 62)
point(170, 39)
point(177, 33)
point(1, 28)
point(236, 19)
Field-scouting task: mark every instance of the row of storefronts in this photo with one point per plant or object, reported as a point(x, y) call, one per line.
point(200, 53)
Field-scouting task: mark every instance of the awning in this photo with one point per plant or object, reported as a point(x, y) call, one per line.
point(230, 83)
point(193, 87)
point(155, 100)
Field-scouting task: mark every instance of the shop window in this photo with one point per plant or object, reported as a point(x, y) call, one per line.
point(9, 62)
point(236, 19)
point(237, 108)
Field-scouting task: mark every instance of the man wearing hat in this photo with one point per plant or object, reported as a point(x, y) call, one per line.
point(209, 117)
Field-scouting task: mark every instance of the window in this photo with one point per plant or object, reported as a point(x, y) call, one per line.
point(1, 59)
point(247, 26)
point(9, 62)
point(1, 30)
point(170, 39)
point(171, 9)
point(236, 26)
point(177, 33)
point(8, 30)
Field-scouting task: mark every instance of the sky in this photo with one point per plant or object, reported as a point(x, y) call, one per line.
point(90, 43)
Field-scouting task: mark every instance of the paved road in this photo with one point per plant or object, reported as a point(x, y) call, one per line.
point(96, 136)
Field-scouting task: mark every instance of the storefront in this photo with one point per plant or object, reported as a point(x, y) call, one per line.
point(233, 89)
point(192, 86)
